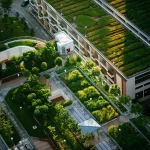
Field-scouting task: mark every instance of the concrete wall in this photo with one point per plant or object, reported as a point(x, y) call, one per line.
point(15, 51)
point(130, 90)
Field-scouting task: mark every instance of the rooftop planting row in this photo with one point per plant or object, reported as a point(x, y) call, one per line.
point(136, 11)
point(109, 36)
point(89, 96)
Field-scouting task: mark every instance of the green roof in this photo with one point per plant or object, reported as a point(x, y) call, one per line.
point(122, 48)
point(137, 11)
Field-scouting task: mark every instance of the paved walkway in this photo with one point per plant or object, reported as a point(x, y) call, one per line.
point(79, 113)
point(42, 144)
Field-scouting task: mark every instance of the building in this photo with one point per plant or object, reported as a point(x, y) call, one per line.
point(64, 43)
point(137, 85)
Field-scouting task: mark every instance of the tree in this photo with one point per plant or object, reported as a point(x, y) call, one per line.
point(78, 58)
point(58, 61)
point(32, 80)
point(7, 129)
point(124, 99)
point(35, 70)
point(96, 70)
point(6, 5)
point(37, 112)
point(106, 87)
point(49, 54)
point(44, 66)
point(136, 108)
point(89, 64)
point(115, 89)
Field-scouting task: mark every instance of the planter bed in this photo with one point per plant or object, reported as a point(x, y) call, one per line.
point(89, 96)
point(128, 138)
point(110, 96)
point(22, 43)
point(104, 26)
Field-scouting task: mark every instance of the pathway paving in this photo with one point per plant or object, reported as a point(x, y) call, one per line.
point(79, 113)
point(42, 144)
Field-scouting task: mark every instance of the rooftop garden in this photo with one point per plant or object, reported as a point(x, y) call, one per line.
point(7, 130)
point(45, 54)
point(86, 92)
point(126, 52)
point(136, 11)
point(52, 118)
point(128, 138)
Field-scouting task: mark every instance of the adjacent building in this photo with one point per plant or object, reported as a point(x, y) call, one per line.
point(137, 85)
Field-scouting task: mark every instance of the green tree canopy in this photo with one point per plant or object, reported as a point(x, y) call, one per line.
point(124, 99)
point(6, 5)
point(58, 61)
point(44, 66)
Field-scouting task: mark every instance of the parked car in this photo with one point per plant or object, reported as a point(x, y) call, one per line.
point(25, 3)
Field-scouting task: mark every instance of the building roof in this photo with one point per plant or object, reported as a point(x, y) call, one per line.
point(88, 126)
point(62, 38)
point(110, 37)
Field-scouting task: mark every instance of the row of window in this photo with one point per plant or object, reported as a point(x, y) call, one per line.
point(142, 94)
point(142, 78)
point(142, 85)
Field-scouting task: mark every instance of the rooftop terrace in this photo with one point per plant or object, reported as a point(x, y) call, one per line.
point(122, 48)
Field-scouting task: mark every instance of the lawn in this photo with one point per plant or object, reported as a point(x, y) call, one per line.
point(110, 37)
point(12, 27)
point(25, 117)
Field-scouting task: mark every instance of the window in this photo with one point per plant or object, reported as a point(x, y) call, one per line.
point(139, 87)
point(68, 50)
point(139, 95)
point(146, 83)
point(147, 92)
point(142, 77)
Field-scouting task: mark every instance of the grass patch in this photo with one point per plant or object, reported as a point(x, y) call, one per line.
point(22, 43)
point(12, 27)
point(25, 117)
point(84, 21)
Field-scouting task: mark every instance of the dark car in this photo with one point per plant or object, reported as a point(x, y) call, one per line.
point(25, 3)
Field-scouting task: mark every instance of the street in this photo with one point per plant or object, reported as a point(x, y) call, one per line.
point(40, 32)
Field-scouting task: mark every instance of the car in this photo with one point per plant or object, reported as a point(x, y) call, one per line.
point(25, 3)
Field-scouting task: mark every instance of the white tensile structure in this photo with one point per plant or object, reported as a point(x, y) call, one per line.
point(64, 43)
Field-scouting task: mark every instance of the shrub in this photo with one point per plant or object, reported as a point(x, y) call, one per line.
point(3, 47)
point(22, 43)
point(47, 76)
point(39, 45)
point(66, 103)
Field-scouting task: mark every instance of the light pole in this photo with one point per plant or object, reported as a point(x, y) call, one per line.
point(61, 9)
point(19, 78)
point(85, 30)
point(12, 140)
point(21, 112)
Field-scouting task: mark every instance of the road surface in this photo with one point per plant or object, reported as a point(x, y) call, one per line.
point(40, 32)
